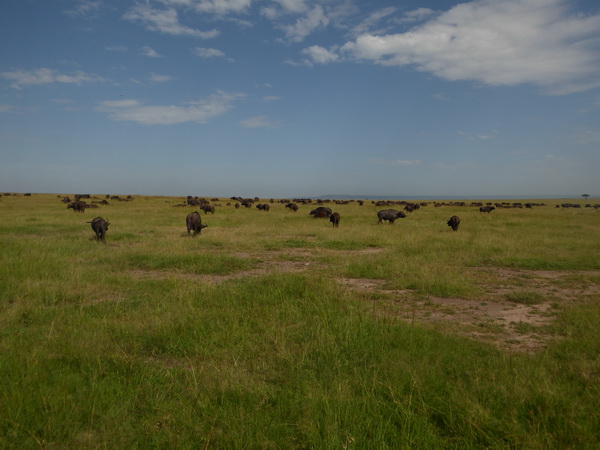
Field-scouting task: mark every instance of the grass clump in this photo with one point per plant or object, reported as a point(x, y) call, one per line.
point(525, 297)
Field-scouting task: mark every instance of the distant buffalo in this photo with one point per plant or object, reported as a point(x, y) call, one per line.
point(208, 209)
point(263, 207)
point(487, 209)
point(193, 222)
point(454, 222)
point(100, 226)
point(390, 214)
point(77, 206)
point(292, 206)
point(335, 219)
point(321, 212)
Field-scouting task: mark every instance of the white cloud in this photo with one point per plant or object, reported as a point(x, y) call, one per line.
point(166, 21)
point(313, 20)
point(321, 55)
point(42, 76)
point(196, 112)
point(258, 122)
point(208, 52)
point(150, 52)
point(497, 42)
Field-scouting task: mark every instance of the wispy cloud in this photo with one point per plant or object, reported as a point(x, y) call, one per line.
point(9, 109)
point(373, 20)
point(116, 48)
point(479, 136)
point(155, 78)
point(165, 21)
point(395, 162)
point(207, 53)
point(84, 8)
point(43, 76)
point(197, 112)
point(259, 122)
point(416, 15)
point(313, 20)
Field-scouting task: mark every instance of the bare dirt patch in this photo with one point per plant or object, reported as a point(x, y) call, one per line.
point(510, 325)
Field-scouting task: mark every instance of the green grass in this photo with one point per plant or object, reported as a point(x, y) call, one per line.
point(131, 345)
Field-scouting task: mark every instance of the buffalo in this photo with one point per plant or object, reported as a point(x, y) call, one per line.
point(335, 219)
point(100, 226)
point(321, 212)
point(292, 206)
point(193, 222)
point(390, 214)
point(454, 222)
point(487, 209)
point(78, 206)
point(208, 209)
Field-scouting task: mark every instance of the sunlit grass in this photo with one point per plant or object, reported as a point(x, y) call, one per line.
point(131, 344)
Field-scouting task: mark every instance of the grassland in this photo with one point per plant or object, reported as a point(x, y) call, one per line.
point(276, 330)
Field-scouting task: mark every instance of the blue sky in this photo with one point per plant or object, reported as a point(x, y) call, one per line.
point(280, 98)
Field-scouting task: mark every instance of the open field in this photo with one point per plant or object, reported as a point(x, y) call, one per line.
point(276, 330)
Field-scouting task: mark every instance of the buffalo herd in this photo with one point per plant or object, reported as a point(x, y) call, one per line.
point(194, 220)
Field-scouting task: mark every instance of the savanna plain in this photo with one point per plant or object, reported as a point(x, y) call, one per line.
point(276, 330)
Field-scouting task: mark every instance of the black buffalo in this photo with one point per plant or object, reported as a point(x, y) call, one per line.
point(193, 222)
point(78, 206)
point(100, 226)
point(292, 206)
point(487, 209)
point(335, 219)
point(321, 212)
point(208, 209)
point(390, 214)
point(454, 222)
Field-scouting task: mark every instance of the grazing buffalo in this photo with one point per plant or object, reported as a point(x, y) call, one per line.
point(335, 219)
point(390, 214)
point(321, 212)
point(208, 209)
point(263, 207)
point(487, 209)
point(193, 222)
point(100, 226)
point(454, 222)
point(292, 206)
point(77, 206)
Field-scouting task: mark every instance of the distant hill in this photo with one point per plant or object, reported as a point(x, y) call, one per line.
point(444, 197)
